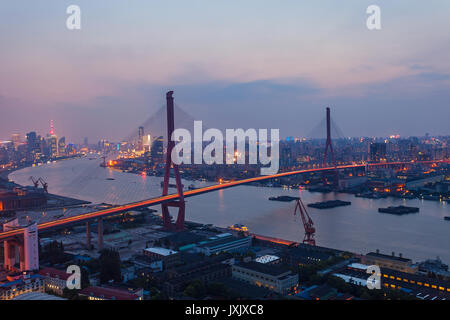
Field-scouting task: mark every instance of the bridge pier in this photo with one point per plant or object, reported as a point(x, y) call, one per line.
point(100, 233)
point(22, 256)
point(10, 254)
point(88, 235)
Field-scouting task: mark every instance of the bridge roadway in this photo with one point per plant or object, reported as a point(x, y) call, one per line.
point(159, 200)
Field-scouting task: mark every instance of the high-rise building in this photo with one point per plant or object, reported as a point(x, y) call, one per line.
point(31, 248)
point(15, 138)
point(141, 138)
point(157, 150)
point(147, 142)
point(52, 142)
point(32, 141)
point(32, 146)
point(377, 151)
point(62, 146)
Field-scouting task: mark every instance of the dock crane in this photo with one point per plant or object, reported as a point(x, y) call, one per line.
point(35, 182)
point(44, 185)
point(308, 224)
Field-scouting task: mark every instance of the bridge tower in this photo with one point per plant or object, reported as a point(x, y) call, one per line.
point(180, 203)
point(22, 249)
point(329, 145)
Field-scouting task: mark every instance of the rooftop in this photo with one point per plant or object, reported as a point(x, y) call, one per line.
point(273, 270)
point(161, 251)
point(388, 257)
point(267, 258)
point(108, 293)
point(37, 296)
point(54, 273)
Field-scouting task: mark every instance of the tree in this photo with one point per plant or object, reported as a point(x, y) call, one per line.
point(195, 289)
point(85, 278)
point(53, 252)
point(110, 266)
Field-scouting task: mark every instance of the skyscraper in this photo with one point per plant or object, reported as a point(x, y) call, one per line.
point(15, 138)
point(157, 150)
point(377, 151)
point(141, 139)
point(32, 141)
point(52, 142)
point(62, 146)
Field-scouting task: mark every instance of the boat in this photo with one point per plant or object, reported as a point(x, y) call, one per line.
point(283, 198)
point(399, 210)
point(329, 204)
point(238, 227)
point(447, 218)
point(110, 179)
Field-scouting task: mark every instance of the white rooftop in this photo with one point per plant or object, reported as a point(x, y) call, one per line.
point(161, 251)
point(358, 266)
point(267, 258)
point(355, 280)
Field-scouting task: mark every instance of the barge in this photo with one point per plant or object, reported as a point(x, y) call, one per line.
point(329, 204)
point(400, 210)
point(283, 198)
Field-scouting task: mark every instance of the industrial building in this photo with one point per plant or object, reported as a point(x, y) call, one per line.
point(273, 277)
point(389, 261)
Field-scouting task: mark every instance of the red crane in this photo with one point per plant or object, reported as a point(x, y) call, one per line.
point(308, 224)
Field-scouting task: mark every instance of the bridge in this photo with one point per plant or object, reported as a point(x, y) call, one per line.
point(5, 235)
point(14, 236)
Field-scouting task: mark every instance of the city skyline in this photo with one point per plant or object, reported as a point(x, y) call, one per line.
point(271, 63)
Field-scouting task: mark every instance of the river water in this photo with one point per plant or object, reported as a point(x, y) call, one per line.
point(358, 228)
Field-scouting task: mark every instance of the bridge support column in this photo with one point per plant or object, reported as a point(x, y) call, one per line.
point(9, 249)
point(88, 235)
point(100, 233)
point(329, 145)
point(22, 256)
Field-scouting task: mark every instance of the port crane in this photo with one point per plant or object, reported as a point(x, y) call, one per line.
point(44, 185)
point(308, 224)
point(35, 182)
point(41, 181)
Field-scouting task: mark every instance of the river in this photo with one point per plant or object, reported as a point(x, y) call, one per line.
point(358, 228)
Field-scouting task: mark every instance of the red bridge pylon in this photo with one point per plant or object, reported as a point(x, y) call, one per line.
point(329, 145)
point(180, 204)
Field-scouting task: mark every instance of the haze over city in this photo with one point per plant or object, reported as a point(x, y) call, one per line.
point(255, 64)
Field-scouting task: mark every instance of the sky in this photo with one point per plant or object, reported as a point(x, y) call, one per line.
point(232, 64)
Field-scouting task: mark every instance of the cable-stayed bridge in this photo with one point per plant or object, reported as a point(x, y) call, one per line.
point(26, 237)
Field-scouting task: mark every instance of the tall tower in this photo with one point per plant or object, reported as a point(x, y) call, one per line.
point(31, 248)
point(180, 204)
point(52, 132)
point(52, 142)
point(329, 145)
